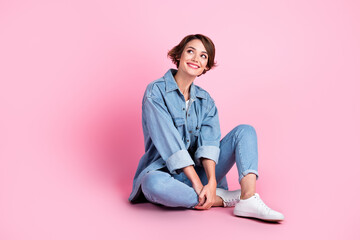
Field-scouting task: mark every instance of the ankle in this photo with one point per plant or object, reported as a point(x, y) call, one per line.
point(246, 196)
point(219, 202)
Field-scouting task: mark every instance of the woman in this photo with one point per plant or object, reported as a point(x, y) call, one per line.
point(185, 162)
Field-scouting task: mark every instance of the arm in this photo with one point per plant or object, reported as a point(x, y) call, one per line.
point(164, 135)
point(168, 141)
point(208, 153)
point(209, 137)
point(194, 178)
point(207, 195)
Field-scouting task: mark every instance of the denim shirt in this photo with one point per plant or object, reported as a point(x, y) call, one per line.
point(175, 137)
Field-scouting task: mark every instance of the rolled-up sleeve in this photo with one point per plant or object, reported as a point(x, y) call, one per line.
point(209, 137)
point(165, 136)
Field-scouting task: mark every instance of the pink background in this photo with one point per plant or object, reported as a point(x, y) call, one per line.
point(72, 77)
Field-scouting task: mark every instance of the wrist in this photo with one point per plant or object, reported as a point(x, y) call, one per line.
point(212, 181)
point(197, 184)
point(197, 187)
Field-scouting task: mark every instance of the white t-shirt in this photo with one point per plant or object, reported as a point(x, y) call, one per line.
point(187, 105)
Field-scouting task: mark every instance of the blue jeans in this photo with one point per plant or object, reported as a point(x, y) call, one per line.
point(175, 190)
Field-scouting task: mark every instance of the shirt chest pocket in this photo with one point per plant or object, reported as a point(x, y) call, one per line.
point(179, 123)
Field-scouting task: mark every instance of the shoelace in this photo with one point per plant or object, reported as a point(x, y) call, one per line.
point(265, 207)
point(231, 202)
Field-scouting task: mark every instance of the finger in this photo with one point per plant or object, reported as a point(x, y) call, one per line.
point(198, 207)
point(201, 198)
point(204, 207)
point(208, 203)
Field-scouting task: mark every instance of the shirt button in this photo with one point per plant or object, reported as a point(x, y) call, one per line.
point(190, 131)
point(187, 140)
point(188, 115)
point(183, 109)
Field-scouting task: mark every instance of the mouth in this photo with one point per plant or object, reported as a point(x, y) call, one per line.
point(194, 66)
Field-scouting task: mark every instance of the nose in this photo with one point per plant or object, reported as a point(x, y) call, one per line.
point(195, 58)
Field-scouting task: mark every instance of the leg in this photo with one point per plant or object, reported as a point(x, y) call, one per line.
point(161, 188)
point(240, 146)
point(248, 186)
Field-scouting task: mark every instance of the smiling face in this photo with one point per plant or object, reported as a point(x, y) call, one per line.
point(194, 58)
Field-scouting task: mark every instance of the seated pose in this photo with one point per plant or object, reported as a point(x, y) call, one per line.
point(185, 163)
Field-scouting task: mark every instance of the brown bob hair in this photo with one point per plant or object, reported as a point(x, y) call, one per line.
point(175, 53)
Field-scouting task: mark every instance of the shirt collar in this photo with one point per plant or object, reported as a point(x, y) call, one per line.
point(171, 85)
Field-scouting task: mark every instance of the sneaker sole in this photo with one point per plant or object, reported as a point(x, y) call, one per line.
point(250, 215)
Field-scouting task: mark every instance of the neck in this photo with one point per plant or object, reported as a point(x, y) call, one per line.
point(184, 82)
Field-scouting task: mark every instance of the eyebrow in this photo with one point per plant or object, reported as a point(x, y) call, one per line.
point(195, 49)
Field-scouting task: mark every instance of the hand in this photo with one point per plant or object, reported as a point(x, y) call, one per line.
point(207, 196)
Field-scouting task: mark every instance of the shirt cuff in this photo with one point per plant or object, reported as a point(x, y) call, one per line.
point(179, 160)
point(210, 152)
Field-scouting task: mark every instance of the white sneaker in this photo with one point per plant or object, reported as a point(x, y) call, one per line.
point(256, 208)
point(230, 198)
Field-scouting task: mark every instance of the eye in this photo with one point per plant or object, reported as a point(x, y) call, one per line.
point(204, 56)
point(190, 51)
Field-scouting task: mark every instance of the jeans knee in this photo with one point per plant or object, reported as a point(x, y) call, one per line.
point(153, 181)
point(245, 130)
point(159, 187)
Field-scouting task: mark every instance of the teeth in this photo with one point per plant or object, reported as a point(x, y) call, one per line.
point(193, 65)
